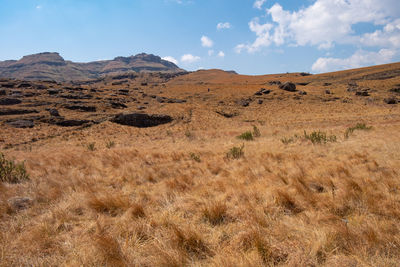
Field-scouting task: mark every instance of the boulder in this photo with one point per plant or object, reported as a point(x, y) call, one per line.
point(141, 120)
point(118, 105)
point(288, 86)
point(21, 124)
point(3, 92)
point(5, 112)
point(19, 203)
point(71, 123)
point(244, 102)
point(302, 93)
point(9, 101)
point(390, 101)
point(82, 108)
point(54, 112)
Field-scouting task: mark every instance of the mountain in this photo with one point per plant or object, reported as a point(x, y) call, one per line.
point(51, 66)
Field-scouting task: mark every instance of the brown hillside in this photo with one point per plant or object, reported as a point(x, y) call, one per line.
point(313, 179)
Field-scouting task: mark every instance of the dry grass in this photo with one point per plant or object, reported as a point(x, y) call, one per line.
point(158, 199)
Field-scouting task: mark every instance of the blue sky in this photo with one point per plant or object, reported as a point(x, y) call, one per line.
point(249, 36)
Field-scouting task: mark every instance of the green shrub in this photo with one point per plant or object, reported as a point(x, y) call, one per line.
point(11, 172)
point(358, 126)
point(110, 144)
point(248, 136)
point(318, 137)
point(287, 141)
point(195, 157)
point(91, 146)
point(235, 152)
point(256, 131)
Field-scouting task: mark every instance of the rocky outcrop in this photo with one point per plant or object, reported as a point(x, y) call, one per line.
point(141, 120)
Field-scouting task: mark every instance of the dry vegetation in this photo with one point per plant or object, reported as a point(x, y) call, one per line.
point(175, 195)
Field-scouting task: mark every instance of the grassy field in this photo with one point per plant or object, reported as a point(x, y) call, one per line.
point(294, 181)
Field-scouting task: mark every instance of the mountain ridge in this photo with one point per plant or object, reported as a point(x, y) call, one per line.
point(52, 66)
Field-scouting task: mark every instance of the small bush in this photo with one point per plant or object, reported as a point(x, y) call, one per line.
point(235, 152)
point(110, 144)
point(91, 146)
point(248, 136)
point(215, 213)
point(195, 157)
point(287, 141)
point(318, 137)
point(256, 131)
point(358, 126)
point(11, 172)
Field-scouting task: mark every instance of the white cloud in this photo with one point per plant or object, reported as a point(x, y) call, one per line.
point(259, 3)
point(206, 42)
point(210, 52)
point(263, 37)
point(38, 7)
point(325, 23)
point(359, 59)
point(189, 58)
point(223, 25)
point(170, 59)
point(221, 54)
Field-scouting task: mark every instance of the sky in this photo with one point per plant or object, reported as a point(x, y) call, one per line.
point(249, 36)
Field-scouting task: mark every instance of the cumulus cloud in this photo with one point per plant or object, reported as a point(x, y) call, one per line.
point(325, 23)
point(206, 42)
point(263, 39)
point(221, 54)
point(259, 3)
point(189, 58)
point(170, 59)
point(359, 59)
point(210, 52)
point(223, 25)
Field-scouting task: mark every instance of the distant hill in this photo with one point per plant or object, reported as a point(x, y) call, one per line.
point(51, 66)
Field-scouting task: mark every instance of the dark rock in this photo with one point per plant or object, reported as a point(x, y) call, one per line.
point(362, 93)
point(141, 120)
point(19, 203)
point(288, 86)
point(53, 91)
point(143, 84)
point(3, 92)
point(160, 99)
point(71, 123)
point(41, 87)
point(390, 101)
point(141, 107)
point(395, 90)
point(327, 84)
point(79, 96)
point(81, 108)
point(8, 85)
point(260, 101)
point(328, 92)
point(24, 85)
point(118, 105)
point(262, 91)
point(227, 114)
point(123, 91)
point(54, 112)
point(244, 102)
point(303, 84)
point(9, 101)
point(302, 93)
point(21, 124)
point(305, 74)
point(176, 101)
point(274, 83)
point(5, 112)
